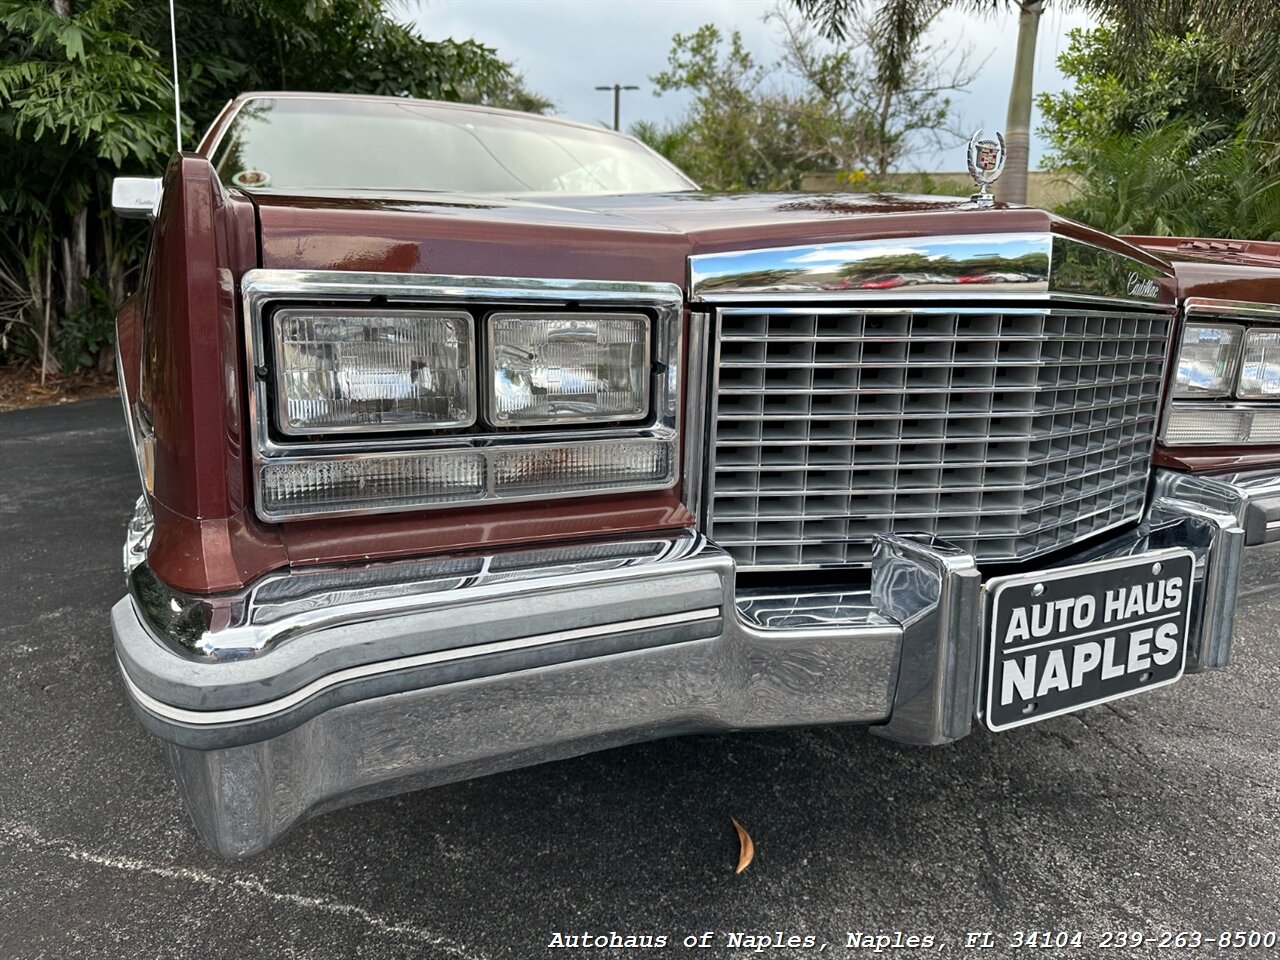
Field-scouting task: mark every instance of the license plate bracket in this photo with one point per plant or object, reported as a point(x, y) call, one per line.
point(1065, 639)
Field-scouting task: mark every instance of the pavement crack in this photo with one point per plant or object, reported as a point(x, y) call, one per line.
point(990, 870)
point(21, 837)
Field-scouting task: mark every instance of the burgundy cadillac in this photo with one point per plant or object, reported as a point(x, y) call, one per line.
point(470, 439)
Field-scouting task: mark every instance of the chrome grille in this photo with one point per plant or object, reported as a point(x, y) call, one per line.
point(1009, 432)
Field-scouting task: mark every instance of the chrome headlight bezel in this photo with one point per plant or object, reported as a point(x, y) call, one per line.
point(1232, 417)
point(617, 443)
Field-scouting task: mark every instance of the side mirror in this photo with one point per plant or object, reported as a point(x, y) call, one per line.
point(135, 198)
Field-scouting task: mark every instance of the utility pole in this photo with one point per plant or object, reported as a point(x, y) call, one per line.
point(617, 89)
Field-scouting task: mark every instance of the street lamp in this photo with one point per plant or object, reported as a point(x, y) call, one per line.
point(617, 89)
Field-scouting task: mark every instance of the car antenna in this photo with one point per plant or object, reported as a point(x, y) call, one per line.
point(177, 103)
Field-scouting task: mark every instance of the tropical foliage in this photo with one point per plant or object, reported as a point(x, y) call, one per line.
point(85, 94)
point(1166, 150)
point(1241, 38)
point(899, 25)
point(1242, 35)
point(818, 108)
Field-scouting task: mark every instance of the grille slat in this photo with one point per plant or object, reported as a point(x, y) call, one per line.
point(1010, 432)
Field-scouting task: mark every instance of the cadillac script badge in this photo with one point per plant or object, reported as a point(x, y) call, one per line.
point(986, 163)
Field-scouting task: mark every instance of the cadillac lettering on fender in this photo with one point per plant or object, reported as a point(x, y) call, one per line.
point(469, 439)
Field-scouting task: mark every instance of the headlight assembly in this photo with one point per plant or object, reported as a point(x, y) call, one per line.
point(564, 368)
point(1208, 359)
point(344, 371)
point(1224, 370)
point(1260, 368)
point(375, 393)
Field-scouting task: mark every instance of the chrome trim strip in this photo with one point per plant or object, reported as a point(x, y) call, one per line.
point(270, 707)
point(1244, 309)
point(298, 602)
point(923, 391)
point(131, 424)
point(960, 415)
point(954, 464)
point(260, 288)
point(696, 422)
point(1098, 535)
point(1023, 266)
point(709, 465)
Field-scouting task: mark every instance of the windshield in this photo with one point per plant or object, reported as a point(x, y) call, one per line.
point(297, 143)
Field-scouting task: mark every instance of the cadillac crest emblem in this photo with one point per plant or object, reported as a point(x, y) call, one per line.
point(986, 163)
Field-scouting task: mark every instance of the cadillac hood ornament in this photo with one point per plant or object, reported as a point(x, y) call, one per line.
point(986, 163)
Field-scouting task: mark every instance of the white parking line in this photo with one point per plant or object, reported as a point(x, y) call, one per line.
point(24, 837)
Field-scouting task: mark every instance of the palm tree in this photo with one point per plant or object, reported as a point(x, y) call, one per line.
point(1248, 32)
point(903, 21)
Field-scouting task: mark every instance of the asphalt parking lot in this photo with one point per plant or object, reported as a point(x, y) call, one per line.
point(1158, 813)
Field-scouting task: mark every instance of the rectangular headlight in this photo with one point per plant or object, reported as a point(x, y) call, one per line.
point(551, 368)
point(343, 371)
point(1260, 367)
point(1207, 361)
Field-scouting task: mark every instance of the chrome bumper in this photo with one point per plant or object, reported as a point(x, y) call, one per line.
point(316, 689)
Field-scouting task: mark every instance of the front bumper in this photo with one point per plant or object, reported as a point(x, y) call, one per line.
point(316, 689)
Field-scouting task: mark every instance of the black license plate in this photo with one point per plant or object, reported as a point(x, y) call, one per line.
point(1069, 638)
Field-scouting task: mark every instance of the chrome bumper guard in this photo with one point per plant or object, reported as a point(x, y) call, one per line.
point(316, 689)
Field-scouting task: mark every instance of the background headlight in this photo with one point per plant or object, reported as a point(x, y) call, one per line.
point(350, 370)
point(1207, 360)
point(549, 368)
point(1260, 367)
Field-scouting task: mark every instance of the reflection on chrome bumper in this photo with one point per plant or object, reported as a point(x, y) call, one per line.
point(315, 689)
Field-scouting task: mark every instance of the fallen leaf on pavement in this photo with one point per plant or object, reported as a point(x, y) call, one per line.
point(746, 847)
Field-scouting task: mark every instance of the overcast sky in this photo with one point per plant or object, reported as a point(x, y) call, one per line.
point(567, 47)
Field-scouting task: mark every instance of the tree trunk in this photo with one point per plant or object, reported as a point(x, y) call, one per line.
point(1012, 187)
point(48, 364)
point(75, 262)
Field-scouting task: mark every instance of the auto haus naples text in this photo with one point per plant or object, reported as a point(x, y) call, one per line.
point(1119, 631)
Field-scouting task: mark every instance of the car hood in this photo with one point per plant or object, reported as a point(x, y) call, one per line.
point(646, 237)
point(1242, 270)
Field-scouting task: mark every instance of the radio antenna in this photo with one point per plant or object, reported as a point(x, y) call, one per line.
point(177, 107)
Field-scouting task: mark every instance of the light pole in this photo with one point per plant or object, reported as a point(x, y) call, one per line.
point(617, 89)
